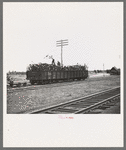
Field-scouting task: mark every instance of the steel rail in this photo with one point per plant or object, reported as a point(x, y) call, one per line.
point(97, 104)
point(72, 101)
point(33, 87)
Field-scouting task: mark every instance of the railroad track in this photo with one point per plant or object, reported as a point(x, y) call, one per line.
point(55, 84)
point(108, 107)
point(33, 87)
point(84, 104)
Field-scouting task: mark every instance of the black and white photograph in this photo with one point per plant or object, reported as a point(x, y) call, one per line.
point(63, 60)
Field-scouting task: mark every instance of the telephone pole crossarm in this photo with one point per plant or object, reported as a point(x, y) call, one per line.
point(62, 43)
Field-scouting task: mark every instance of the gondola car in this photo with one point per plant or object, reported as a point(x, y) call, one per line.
point(43, 76)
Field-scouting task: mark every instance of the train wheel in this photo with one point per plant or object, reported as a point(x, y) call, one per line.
point(19, 84)
point(53, 81)
point(46, 82)
point(24, 84)
point(43, 82)
point(49, 81)
point(32, 82)
point(11, 85)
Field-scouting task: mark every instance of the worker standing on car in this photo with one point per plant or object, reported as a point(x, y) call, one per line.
point(53, 61)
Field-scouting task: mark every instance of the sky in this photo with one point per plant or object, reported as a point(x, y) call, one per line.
point(94, 31)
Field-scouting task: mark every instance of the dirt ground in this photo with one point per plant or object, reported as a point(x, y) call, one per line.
point(48, 95)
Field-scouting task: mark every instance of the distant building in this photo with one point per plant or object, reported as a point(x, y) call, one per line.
point(114, 71)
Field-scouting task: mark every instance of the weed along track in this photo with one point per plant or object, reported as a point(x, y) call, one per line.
point(84, 104)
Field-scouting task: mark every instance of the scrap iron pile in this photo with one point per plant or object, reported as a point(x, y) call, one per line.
point(52, 67)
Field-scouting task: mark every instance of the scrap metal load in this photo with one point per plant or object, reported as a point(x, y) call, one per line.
point(50, 67)
point(48, 73)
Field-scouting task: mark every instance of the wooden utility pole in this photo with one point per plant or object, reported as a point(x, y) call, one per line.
point(103, 70)
point(62, 43)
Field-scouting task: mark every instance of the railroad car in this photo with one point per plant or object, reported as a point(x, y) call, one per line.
point(43, 77)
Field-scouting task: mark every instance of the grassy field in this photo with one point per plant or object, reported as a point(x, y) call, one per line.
point(49, 95)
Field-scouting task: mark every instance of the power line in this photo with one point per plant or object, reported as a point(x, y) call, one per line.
point(62, 43)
